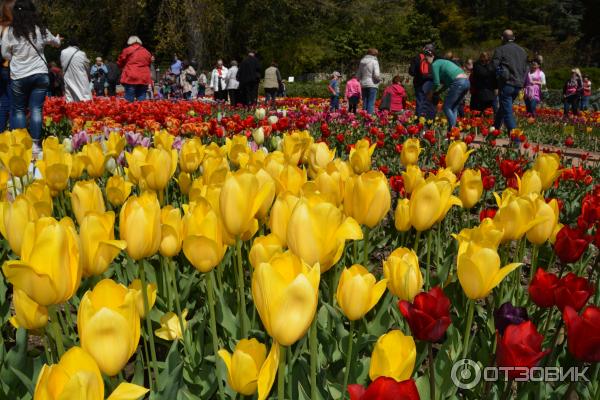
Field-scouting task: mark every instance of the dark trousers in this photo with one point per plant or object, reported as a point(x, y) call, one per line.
point(99, 88)
point(220, 95)
point(334, 103)
point(5, 98)
point(112, 88)
point(353, 104)
point(248, 93)
point(425, 107)
point(572, 104)
point(233, 96)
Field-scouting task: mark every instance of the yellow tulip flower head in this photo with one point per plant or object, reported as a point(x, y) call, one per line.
point(238, 150)
point(487, 234)
point(159, 167)
point(295, 145)
point(548, 213)
point(94, 158)
point(38, 194)
point(430, 202)
point(410, 152)
point(115, 144)
point(202, 236)
point(135, 287)
point(285, 292)
point(49, 270)
point(171, 231)
point(98, 244)
point(135, 159)
point(516, 216)
point(163, 140)
point(265, 180)
point(170, 327)
point(191, 155)
point(184, 180)
point(139, 224)
point(280, 215)
point(457, 155)
point(109, 325)
point(78, 163)
point(14, 218)
point(249, 369)
point(394, 356)
point(443, 174)
point(16, 159)
point(358, 291)
point(412, 177)
point(479, 270)
point(55, 167)
point(16, 136)
point(471, 188)
point(360, 156)
point(402, 215)
point(317, 232)
point(291, 179)
point(330, 184)
point(117, 190)
point(263, 249)
point(319, 156)
point(547, 165)
point(367, 198)
point(404, 278)
point(86, 197)
point(529, 183)
point(28, 314)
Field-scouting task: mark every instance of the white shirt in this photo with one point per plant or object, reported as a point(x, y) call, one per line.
point(232, 82)
point(214, 79)
point(24, 59)
point(77, 84)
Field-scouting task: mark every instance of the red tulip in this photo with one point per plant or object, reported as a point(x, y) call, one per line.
point(487, 213)
point(489, 182)
point(520, 346)
point(583, 333)
point(573, 291)
point(569, 142)
point(509, 168)
point(542, 287)
point(570, 244)
point(428, 316)
point(384, 388)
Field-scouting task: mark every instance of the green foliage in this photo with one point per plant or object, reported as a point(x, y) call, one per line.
point(556, 78)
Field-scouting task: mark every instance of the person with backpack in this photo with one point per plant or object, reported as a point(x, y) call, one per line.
point(135, 62)
point(369, 77)
point(533, 88)
point(188, 77)
point(572, 91)
point(420, 70)
point(98, 73)
point(217, 82)
point(23, 44)
point(75, 66)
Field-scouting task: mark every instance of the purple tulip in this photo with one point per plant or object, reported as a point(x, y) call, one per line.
point(507, 315)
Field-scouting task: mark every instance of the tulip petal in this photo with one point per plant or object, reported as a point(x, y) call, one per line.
point(128, 391)
point(470, 277)
point(376, 293)
point(266, 376)
point(501, 274)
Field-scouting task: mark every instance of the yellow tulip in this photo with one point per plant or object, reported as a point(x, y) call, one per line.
point(28, 314)
point(471, 188)
point(285, 292)
point(487, 234)
point(17, 136)
point(547, 165)
point(291, 178)
point(115, 144)
point(412, 177)
point(294, 146)
point(171, 231)
point(135, 159)
point(430, 203)
point(557, 229)
point(548, 213)
point(163, 140)
point(14, 218)
point(117, 190)
point(170, 327)
point(249, 368)
point(342, 167)
point(4, 177)
point(358, 292)
point(109, 325)
point(135, 287)
point(394, 356)
point(265, 180)
point(404, 278)
point(49, 270)
point(319, 156)
point(203, 238)
point(139, 224)
point(457, 155)
point(360, 156)
point(159, 167)
point(240, 200)
point(86, 197)
point(331, 185)
point(38, 194)
point(402, 216)
point(410, 152)
point(191, 155)
point(263, 249)
point(280, 215)
point(78, 162)
point(94, 159)
point(55, 167)
point(530, 182)
point(98, 244)
point(184, 180)
point(16, 159)
point(515, 217)
point(238, 151)
point(274, 163)
point(367, 198)
point(317, 231)
point(214, 170)
point(444, 174)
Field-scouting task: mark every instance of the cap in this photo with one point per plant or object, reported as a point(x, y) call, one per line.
point(335, 73)
point(429, 49)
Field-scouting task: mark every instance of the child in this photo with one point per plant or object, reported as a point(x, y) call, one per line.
point(572, 93)
point(587, 92)
point(394, 96)
point(352, 96)
point(334, 90)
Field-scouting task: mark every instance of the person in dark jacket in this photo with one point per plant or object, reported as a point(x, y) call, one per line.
point(248, 76)
point(483, 84)
point(420, 70)
point(510, 64)
point(572, 92)
point(113, 77)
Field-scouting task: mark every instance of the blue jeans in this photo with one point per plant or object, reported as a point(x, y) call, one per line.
point(425, 107)
point(531, 105)
point(369, 95)
point(507, 95)
point(334, 103)
point(585, 102)
point(456, 93)
point(5, 98)
point(29, 93)
point(135, 92)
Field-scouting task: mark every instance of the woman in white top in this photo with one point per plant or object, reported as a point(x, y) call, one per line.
point(23, 44)
point(217, 82)
point(75, 65)
point(232, 83)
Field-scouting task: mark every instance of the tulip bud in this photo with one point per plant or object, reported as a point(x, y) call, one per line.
point(135, 287)
point(410, 152)
point(258, 135)
point(117, 190)
point(402, 215)
point(263, 249)
point(404, 278)
point(358, 292)
point(14, 218)
point(170, 327)
point(471, 188)
point(86, 197)
point(457, 155)
point(280, 215)
point(547, 165)
point(171, 231)
point(360, 156)
point(98, 244)
point(394, 356)
point(203, 238)
point(412, 178)
point(430, 202)
point(28, 314)
point(367, 198)
point(139, 223)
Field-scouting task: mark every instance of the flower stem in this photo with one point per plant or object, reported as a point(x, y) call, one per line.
point(313, 360)
point(213, 326)
point(428, 265)
point(56, 330)
point(241, 289)
point(467, 335)
point(416, 245)
point(534, 258)
point(348, 359)
point(366, 247)
point(431, 371)
point(150, 333)
point(281, 372)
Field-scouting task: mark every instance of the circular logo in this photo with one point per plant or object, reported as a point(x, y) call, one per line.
point(466, 374)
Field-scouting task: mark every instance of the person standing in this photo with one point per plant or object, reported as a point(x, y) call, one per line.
point(217, 82)
point(135, 62)
point(248, 76)
point(202, 82)
point(510, 63)
point(483, 84)
point(352, 94)
point(572, 93)
point(587, 93)
point(232, 83)
point(176, 66)
point(23, 44)
point(75, 71)
point(447, 75)
point(369, 76)
point(420, 70)
point(188, 77)
point(334, 92)
point(113, 77)
point(533, 88)
point(394, 96)
point(99, 73)
point(6, 18)
point(271, 84)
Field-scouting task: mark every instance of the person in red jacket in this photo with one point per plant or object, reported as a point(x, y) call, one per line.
point(135, 62)
point(394, 96)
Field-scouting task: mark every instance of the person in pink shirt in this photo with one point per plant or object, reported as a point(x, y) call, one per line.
point(394, 96)
point(352, 96)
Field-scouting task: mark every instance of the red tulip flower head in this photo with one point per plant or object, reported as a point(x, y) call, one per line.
point(570, 244)
point(542, 287)
point(520, 346)
point(583, 333)
point(573, 291)
point(384, 388)
point(428, 315)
